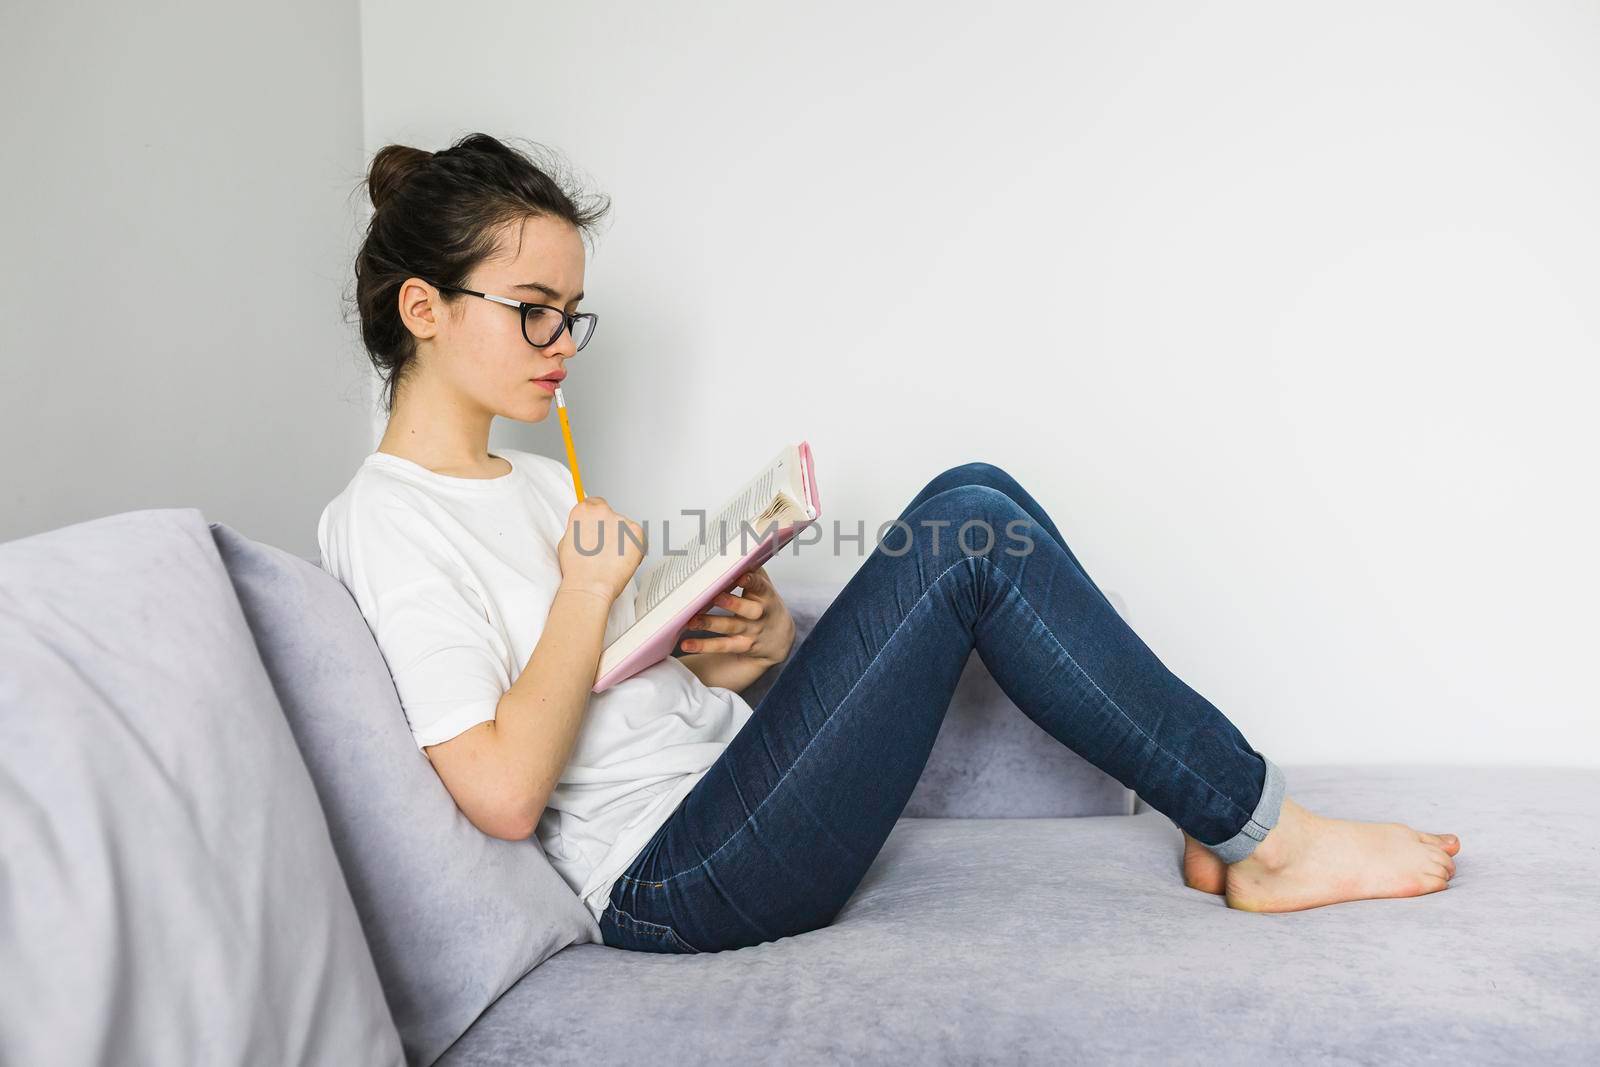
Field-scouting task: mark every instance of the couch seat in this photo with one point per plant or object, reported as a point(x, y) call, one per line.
point(1055, 940)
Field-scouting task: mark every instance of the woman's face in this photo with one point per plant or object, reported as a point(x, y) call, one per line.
point(476, 347)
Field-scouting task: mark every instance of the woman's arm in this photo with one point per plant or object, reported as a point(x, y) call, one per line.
point(502, 772)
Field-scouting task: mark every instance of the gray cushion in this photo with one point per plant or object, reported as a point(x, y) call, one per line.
point(1075, 940)
point(169, 892)
point(454, 916)
point(989, 760)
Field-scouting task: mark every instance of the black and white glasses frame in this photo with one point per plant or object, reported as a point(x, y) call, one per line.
point(581, 325)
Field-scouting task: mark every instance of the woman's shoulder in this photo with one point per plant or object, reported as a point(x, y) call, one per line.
point(376, 509)
point(374, 489)
point(382, 506)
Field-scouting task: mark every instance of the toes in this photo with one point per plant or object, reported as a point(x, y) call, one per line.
point(1449, 842)
point(1432, 883)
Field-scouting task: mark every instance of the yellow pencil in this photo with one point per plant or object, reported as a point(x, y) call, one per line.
point(566, 432)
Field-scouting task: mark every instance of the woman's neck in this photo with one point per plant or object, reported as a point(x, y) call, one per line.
point(444, 441)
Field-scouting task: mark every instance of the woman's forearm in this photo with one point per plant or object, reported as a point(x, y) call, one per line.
point(538, 719)
point(730, 670)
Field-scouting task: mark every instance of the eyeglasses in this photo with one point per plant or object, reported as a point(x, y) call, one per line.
point(541, 321)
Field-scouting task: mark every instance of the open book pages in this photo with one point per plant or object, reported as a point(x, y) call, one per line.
point(757, 521)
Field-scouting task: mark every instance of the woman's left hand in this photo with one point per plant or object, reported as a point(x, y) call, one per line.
point(760, 626)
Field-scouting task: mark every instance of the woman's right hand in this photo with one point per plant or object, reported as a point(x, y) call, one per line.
point(607, 570)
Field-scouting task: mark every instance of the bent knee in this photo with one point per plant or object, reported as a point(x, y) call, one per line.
point(972, 519)
point(976, 472)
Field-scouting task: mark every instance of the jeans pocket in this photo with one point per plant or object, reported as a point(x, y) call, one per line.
point(642, 935)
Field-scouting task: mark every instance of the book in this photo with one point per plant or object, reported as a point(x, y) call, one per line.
point(758, 520)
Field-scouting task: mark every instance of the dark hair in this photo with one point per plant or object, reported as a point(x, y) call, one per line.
point(436, 216)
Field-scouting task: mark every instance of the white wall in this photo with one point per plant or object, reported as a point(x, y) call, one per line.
point(1299, 341)
point(176, 237)
point(1286, 314)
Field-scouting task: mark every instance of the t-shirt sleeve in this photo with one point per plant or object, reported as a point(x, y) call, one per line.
point(449, 661)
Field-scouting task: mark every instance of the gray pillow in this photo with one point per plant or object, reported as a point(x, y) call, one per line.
point(168, 889)
point(454, 916)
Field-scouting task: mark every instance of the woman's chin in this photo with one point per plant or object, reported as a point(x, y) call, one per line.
point(532, 411)
point(531, 403)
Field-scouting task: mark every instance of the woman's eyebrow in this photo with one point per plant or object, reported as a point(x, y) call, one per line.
point(546, 290)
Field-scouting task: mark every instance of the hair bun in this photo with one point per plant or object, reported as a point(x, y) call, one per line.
point(390, 168)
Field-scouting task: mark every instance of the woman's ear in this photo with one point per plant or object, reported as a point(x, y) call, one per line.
point(420, 308)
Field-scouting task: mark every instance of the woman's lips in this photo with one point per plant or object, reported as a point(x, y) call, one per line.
point(547, 384)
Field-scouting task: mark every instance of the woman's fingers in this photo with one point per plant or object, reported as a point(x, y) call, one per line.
point(736, 643)
point(744, 606)
point(746, 609)
point(722, 624)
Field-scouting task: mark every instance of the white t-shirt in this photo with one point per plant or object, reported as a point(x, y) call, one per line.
point(455, 577)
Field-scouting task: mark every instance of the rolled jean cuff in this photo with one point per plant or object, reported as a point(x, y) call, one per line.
point(1263, 819)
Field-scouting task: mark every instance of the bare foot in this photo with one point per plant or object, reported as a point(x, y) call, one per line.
point(1307, 861)
point(1202, 868)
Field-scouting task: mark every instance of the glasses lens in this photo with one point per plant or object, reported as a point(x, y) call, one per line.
point(582, 329)
point(542, 325)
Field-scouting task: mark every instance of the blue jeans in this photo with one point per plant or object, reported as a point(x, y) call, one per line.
point(776, 836)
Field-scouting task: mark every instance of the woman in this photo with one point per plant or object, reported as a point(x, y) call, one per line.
point(686, 820)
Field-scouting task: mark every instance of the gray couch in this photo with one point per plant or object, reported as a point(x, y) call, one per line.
point(220, 846)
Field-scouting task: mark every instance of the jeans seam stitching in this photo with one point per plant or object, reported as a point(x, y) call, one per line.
point(661, 929)
point(750, 819)
point(1079, 668)
point(636, 881)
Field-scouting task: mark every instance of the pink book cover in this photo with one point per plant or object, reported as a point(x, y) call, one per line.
point(660, 644)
